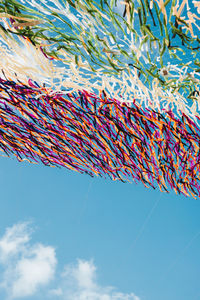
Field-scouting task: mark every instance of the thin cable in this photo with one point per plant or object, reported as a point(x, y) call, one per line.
point(171, 266)
point(142, 228)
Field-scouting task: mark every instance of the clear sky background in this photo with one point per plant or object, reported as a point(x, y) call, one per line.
point(68, 236)
point(139, 240)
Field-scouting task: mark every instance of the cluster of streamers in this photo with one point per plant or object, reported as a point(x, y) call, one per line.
point(112, 36)
point(99, 135)
point(104, 87)
point(23, 49)
point(21, 60)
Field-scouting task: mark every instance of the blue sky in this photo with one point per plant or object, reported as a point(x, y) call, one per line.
point(139, 240)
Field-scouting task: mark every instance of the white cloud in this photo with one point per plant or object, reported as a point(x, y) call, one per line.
point(14, 240)
point(79, 283)
point(34, 271)
point(26, 267)
point(29, 268)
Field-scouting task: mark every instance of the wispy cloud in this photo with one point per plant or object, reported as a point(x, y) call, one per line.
point(79, 282)
point(29, 268)
point(14, 241)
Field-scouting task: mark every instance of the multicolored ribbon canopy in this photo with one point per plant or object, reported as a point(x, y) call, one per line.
point(104, 87)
